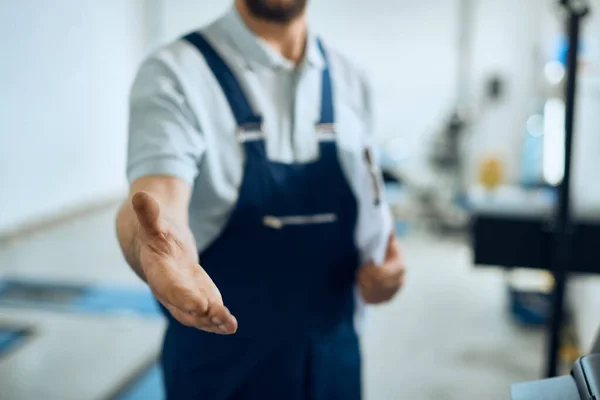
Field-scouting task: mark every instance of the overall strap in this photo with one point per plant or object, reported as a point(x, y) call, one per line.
point(249, 123)
point(326, 124)
point(238, 102)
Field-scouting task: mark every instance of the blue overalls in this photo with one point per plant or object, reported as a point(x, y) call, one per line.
point(285, 265)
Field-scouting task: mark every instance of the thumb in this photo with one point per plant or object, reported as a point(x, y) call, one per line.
point(148, 212)
point(391, 245)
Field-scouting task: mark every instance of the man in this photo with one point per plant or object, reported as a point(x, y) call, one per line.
point(256, 208)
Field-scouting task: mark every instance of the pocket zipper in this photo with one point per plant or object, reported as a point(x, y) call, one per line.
point(373, 171)
point(280, 222)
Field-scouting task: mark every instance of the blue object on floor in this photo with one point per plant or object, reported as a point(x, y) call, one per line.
point(148, 386)
point(462, 201)
point(530, 307)
point(9, 338)
point(103, 299)
point(73, 298)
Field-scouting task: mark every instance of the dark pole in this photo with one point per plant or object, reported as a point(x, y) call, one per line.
point(562, 227)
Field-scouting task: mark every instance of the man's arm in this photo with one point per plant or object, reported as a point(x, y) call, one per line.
point(173, 196)
point(164, 149)
point(157, 243)
point(379, 282)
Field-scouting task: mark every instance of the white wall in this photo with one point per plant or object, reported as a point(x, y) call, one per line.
point(176, 17)
point(409, 49)
point(65, 75)
point(507, 37)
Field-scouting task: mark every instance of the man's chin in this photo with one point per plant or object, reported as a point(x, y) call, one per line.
point(278, 11)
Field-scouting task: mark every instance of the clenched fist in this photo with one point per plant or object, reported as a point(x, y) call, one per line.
point(169, 262)
point(379, 283)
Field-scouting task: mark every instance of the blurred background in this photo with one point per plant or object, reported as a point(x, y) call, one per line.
point(470, 118)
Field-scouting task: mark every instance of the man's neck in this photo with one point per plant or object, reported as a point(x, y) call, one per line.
point(288, 39)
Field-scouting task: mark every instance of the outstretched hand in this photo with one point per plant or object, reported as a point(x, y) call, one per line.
point(170, 264)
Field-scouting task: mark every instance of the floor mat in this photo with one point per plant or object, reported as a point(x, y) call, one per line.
point(10, 338)
point(147, 386)
point(77, 298)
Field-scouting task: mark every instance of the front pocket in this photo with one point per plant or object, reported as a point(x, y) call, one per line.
point(315, 219)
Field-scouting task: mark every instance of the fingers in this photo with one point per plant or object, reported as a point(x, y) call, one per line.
point(186, 319)
point(392, 237)
point(148, 212)
point(378, 296)
point(196, 303)
point(220, 317)
point(393, 248)
point(379, 284)
point(390, 244)
point(390, 271)
point(366, 273)
point(392, 274)
point(176, 293)
point(219, 320)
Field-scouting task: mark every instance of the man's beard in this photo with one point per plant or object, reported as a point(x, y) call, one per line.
point(279, 11)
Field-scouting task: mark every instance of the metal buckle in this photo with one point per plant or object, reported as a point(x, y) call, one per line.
point(250, 132)
point(326, 132)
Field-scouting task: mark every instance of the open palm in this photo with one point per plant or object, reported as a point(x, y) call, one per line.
point(170, 263)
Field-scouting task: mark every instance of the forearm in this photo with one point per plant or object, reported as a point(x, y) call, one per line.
point(128, 230)
point(172, 196)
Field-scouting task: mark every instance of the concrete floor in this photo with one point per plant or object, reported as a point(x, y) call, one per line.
point(446, 337)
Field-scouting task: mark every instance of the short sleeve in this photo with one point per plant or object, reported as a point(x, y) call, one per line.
point(164, 136)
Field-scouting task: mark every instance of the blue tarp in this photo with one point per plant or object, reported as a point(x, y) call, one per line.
point(147, 387)
point(73, 298)
point(10, 338)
